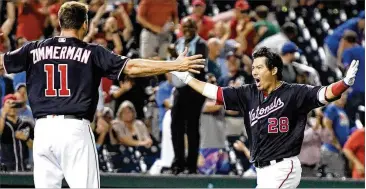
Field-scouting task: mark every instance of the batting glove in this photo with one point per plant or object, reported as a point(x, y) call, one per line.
point(351, 73)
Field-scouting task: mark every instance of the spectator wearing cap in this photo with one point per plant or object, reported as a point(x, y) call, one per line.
point(24, 111)
point(354, 150)
point(241, 27)
point(263, 27)
point(294, 72)
point(354, 51)
point(214, 49)
point(333, 43)
point(241, 12)
point(275, 42)
point(204, 23)
point(16, 136)
point(234, 120)
point(158, 18)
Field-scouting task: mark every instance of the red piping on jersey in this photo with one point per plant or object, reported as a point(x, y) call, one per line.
point(339, 87)
point(219, 97)
point(292, 166)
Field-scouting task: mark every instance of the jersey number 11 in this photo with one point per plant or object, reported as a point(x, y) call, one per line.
point(50, 91)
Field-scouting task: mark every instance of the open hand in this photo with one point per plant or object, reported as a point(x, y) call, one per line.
point(190, 63)
point(351, 73)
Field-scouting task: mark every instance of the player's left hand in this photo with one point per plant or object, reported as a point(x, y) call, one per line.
point(182, 76)
point(351, 73)
point(190, 63)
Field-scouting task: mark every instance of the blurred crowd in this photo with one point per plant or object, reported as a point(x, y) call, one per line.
point(157, 125)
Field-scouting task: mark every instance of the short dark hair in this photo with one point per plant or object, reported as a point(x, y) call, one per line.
point(72, 15)
point(272, 60)
point(262, 11)
point(350, 36)
point(289, 29)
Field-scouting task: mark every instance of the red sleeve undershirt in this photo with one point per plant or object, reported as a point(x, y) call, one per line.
point(339, 87)
point(219, 97)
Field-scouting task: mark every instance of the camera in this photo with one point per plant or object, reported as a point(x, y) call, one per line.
point(17, 104)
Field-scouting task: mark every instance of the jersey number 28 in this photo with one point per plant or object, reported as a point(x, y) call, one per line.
point(50, 79)
point(275, 124)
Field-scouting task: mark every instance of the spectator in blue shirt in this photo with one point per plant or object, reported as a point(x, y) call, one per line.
point(356, 98)
point(334, 43)
point(163, 97)
point(336, 121)
point(19, 78)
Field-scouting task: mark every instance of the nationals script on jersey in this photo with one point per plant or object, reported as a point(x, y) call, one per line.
point(275, 124)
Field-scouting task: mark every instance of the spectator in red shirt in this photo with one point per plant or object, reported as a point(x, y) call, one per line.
point(241, 25)
point(204, 23)
point(31, 14)
point(158, 18)
point(354, 149)
point(6, 27)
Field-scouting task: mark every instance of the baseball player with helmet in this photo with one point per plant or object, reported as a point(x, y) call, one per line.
point(63, 75)
point(275, 115)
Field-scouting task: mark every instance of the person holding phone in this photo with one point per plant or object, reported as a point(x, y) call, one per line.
point(16, 136)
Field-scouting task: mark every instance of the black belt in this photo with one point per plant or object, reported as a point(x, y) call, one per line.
point(261, 164)
point(65, 117)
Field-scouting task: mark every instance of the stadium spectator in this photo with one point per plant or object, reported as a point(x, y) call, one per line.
point(188, 104)
point(163, 98)
point(354, 149)
point(158, 18)
point(212, 158)
point(31, 14)
point(336, 121)
point(241, 12)
point(236, 77)
point(314, 136)
point(16, 136)
point(241, 27)
point(6, 85)
point(130, 131)
point(334, 45)
point(131, 89)
point(263, 27)
point(214, 49)
point(121, 14)
point(19, 78)
point(275, 42)
point(292, 71)
point(24, 112)
point(53, 15)
point(352, 50)
point(108, 31)
point(7, 25)
point(204, 23)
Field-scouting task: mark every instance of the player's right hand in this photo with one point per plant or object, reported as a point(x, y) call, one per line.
point(351, 73)
point(191, 63)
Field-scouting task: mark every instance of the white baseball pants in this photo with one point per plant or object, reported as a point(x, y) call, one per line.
point(284, 174)
point(64, 148)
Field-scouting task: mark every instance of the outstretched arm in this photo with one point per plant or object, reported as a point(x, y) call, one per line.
point(144, 67)
point(206, 89)
point(334, 91)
